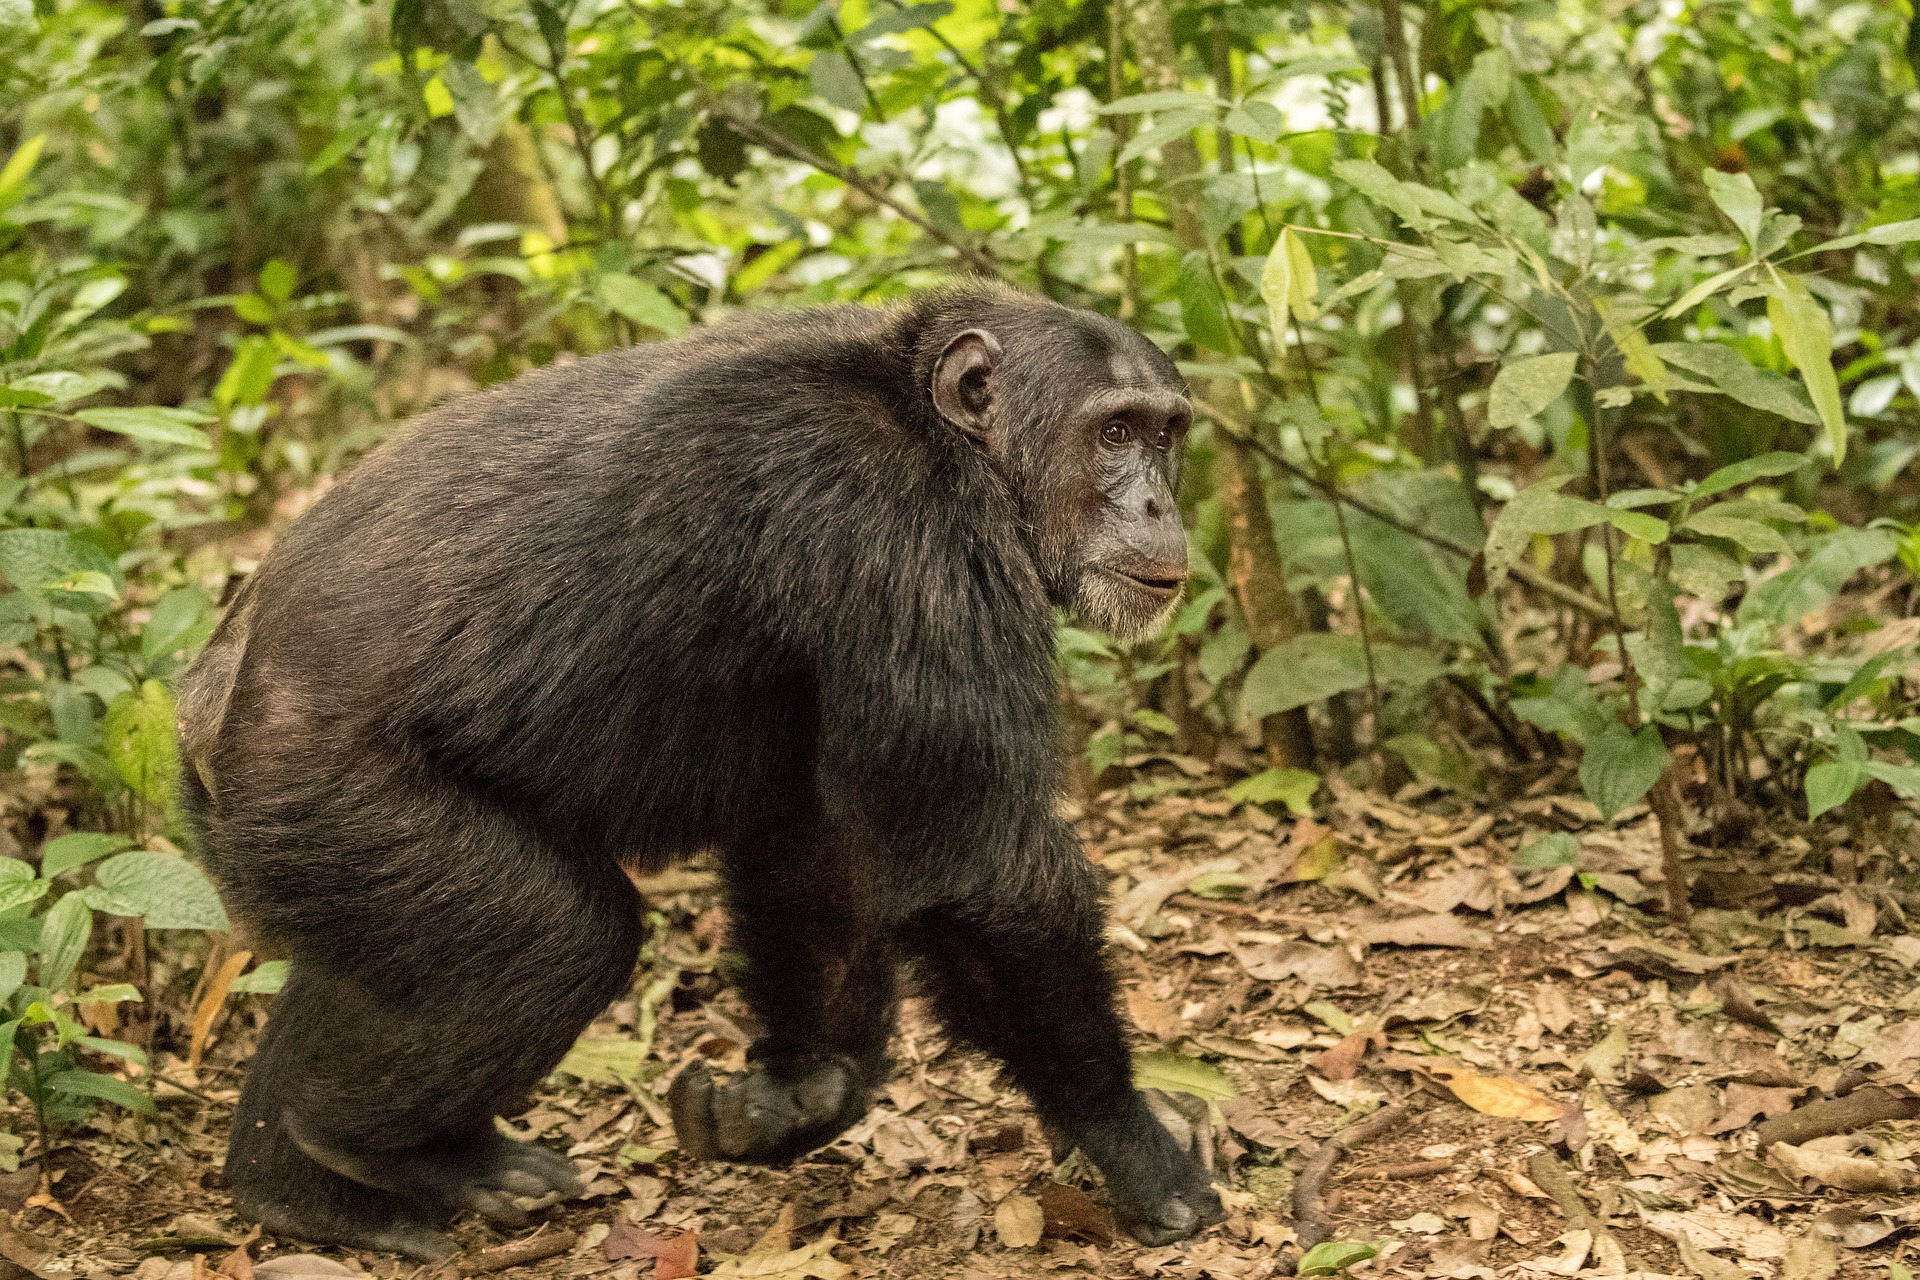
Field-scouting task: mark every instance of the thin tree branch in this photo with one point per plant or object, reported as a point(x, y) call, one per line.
point(973, 255)
point(1546, 586)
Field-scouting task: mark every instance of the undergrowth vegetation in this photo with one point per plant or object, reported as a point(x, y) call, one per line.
point(1558, 374)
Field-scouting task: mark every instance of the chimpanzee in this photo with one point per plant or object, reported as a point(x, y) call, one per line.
point(781, 590)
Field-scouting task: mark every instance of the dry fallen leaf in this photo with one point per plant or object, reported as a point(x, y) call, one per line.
point(300, 1266)
point(1329, 967)
point(1019, 1222)
point(1422, 931)
point(1714, 1229)
point(675, 1257)
point(809, 1262)
point(1491, 1095)
point(1481, 1215)
point(1810, 1257)
point(1843, 1172)
point(1744, 1103)
point(1069, 1211)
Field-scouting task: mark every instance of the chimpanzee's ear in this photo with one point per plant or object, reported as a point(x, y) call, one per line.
point(963, 383)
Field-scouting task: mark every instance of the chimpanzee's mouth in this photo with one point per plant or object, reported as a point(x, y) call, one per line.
point(1151, 583)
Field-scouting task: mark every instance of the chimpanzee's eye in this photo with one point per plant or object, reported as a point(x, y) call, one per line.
point(1117, 433)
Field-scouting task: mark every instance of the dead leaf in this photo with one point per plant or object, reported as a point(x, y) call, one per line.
point(1248, 1119)
point(1019, 1222)
point(1853, 1229)
point(1481, 1215)
point(888, 1230)
point(1608, 1055)
point(1706, 1266)
point(1810, 1257)
point(1329, 967)
point(1341, 1061)
point(1556, 1011)
point(211, 1003)
point(1606, 1124)
point(1843, 1172)
point(1715, 1229)
point(1489, 1095)
point(778, 1237)
point(1069, 1212)
point(906, 1143)
point(1744, 1103)
point(1575, 1247)
point(1441, 1005)
point(674, 1256)
point(809, 1262)
point(1158, 1018)
point(1518, 1183)
point(1685, 1111)
point(1422, 931)
point(300, 1266)
point(1894, 1048)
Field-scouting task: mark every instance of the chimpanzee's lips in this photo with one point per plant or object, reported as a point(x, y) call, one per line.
point(1155, 584)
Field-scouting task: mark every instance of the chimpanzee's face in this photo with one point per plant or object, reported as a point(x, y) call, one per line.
point(1090, 422)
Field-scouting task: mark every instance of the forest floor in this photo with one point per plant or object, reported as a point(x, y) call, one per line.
point(1523, 1024)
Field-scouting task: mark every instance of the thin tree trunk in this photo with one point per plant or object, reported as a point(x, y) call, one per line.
point(1257, 573)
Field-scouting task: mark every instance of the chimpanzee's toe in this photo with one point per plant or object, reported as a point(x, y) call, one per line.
point(762, 1116)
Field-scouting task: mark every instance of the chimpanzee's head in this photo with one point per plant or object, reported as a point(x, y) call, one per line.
point(1088, 421)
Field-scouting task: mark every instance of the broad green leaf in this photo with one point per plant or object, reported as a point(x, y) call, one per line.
point(1807, 336)
point(277, 281)
point(1174, 124)
point(1751, 534)
point(250, 374)
point(1738, 199)
point(15, 871)
point(153, 423)
point(1524, 387)
point(1704, 290)
point(1381, 187)
point(19, 893)
point(1734, 376)
point(1164, 100)
point(109, 993)
point(1288, 283)
point(20, 164)
point(604, 1060)
point(1812, 583)
point(1736, 474)
point(1538, 509)
point(1331, 1257)
point(1555, 849)
point(1177, 1073)
point(140, 741)
point(1831, 784)
point(169, 891)
point(836, 79)
point(91, 1084)
point(642, 303)
point(1903, 778)
point(1638, 524)
point(1318, 665)
point(1294, 788)
point(13, 972)
point(1618, 766)
point(264, 979)
point(1636, 352)
point(1887, 233)
point(181, 620)
point(63, 940)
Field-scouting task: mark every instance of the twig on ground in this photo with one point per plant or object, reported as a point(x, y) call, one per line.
point(1400, 1172)
point(1219, 905)
point(1309, 1193)
point(518, 1252)
point(1552, 1177)
point(1837, 1115)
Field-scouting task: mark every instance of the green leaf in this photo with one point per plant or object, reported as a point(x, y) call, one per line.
point(180, 621)
point(1524, 387)
point(1738, 199)
point(13, 972)
point(249, 376)
point(642, 303)
point(168, 890)
point(1294, 788)
point(1175, 124)
point(1807, 336)
point(1831, 784)
point(1704, 290)
point(15, 871)
point(91, 1084)
point(1755, 537)
point(1538, 509)
point(110, 993)
point(1331, 1257)
point(20, 164)
point(1318, 665)
point(1555, 849)
point(1887, 233)
point(63, 940)
point(1288, 283)
point(152, 423)
point(1903, 778)
point(1750, 469)
point(1811, 584)
point(1638, 524)
point(264, 979)
point(76, 849)
point(612, 1060)
point(1177, 1073)
point(836, 79)
point(140, 741)
point(277, 281)
point(1165, 100)
point(20, 892)
point(1617, 767)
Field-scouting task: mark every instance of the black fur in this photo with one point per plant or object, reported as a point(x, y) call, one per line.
point(752, 591)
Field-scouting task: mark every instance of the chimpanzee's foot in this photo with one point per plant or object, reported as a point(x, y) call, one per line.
point(766, 1115)
point(1158, 1183)
point(482, 1172)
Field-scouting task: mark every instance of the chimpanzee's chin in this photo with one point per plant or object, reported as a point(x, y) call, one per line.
point(1104, 601)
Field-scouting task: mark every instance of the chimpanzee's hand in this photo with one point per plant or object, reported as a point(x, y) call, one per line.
point(1158, 1181)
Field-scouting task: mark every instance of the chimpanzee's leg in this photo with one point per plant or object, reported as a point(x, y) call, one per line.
point(443, 960)
point(820, 976)
point(1022, 977)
